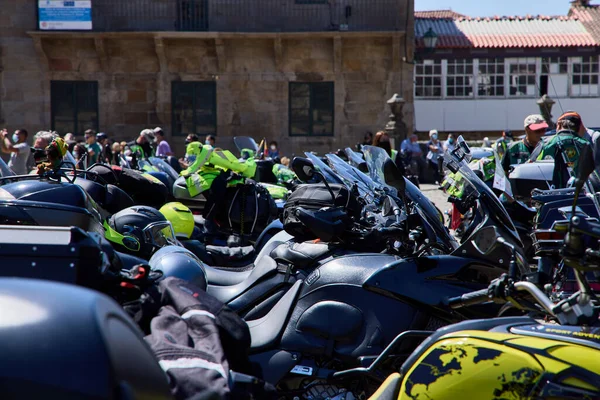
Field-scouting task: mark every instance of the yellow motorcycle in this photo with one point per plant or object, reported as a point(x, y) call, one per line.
point(553, 353)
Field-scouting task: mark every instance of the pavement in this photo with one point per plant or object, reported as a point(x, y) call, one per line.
point(437, 196)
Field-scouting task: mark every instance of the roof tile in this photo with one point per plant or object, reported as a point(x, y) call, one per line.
point(509, 32)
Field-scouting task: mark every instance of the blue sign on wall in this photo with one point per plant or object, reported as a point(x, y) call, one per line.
point(65, 15)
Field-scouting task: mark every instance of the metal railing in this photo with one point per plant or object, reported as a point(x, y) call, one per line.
point(249, 15)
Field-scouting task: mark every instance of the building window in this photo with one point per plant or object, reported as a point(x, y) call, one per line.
point(490, 77)
point(311, 109)
point(522, 76)
point(74, 106)
point(554, 65)
point(459, 78)
point(428, 78)
point(584, 78)
point(194, 106)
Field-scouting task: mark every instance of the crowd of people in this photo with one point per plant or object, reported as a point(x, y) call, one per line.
point(96, 147)
point(565, 146)
point(411, 153)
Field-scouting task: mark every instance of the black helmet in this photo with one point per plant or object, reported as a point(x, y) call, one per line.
point(100, 136)
point(139, 230)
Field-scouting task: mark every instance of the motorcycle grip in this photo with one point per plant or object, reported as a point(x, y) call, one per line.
point(469, 299)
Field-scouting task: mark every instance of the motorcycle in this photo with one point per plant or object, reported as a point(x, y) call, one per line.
point(334, 316)
point(520, 356)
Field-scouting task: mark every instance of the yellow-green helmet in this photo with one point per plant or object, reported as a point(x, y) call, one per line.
point(181, 218)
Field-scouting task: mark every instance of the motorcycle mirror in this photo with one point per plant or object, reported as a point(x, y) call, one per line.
point(586, 167)
point(485, 240)
point(303, 168)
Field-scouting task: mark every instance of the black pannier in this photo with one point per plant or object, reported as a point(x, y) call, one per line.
point(247, 209)
point(312, 212)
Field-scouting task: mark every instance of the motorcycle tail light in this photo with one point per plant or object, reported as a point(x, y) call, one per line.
point(548, 235)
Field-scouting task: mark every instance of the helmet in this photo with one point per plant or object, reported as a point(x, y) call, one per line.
point(180, 217)
point(180, 263)
point(100, 136)
point(139, 230)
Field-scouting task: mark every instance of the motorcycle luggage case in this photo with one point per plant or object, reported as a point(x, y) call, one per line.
point(314, 197)
point(60, 254)
point(61, 341)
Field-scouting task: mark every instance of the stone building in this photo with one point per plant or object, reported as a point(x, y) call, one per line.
point(311, 74)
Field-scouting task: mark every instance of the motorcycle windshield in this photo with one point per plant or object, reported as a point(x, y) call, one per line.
point(354, 158)
point(245, 142)
point(5, 170)
point(68, 158)
point(320, 166)
point(164, 167)
point(458, 171)
point(352, 176)
point(376, 157)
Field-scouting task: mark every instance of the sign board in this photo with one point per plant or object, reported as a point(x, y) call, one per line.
point(65, 14)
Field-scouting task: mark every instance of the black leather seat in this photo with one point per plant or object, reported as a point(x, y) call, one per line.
point(300, 255)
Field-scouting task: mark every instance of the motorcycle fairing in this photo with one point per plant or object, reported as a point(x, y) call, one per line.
point(514, 359)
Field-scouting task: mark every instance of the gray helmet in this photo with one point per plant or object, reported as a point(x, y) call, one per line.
point(181, 263)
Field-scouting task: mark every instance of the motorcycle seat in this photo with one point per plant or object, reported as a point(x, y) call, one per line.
point(266, 330)
point(223, 277)
point(300, 255)
point(546, 196)
point(226, 285)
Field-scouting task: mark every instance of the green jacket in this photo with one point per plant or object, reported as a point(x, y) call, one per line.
point(517, 153)
point(571, 145)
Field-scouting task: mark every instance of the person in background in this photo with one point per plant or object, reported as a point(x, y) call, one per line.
point(162, 149)
point(520, 151)
point(570, 141)
point(106, 152)
point(435, 151)
point(141, 146)
point(502, 144)
point(191, 138)
point(92, 146)
point(367, 139)
point(41, 140)
point(410, 147)
point(210, 140)
point(116, 153)
point(18, 149)
point(450, 143)
point(184, 162)
point(273, 151)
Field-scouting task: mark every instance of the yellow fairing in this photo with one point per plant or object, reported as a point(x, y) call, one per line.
point(487, 365)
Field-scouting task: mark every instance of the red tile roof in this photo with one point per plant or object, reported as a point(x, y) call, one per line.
point(506, 32)
point(438, 14)
point(589, 17)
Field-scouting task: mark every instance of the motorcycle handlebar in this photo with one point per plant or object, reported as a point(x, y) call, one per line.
point(469, 299)
point(484, 295)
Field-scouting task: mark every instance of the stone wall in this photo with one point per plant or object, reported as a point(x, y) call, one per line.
point(252, 72)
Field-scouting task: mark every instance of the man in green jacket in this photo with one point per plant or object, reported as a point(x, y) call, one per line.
point(565, 147)
point(520, 151)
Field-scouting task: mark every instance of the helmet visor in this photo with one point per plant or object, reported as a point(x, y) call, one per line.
point(160, 234)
